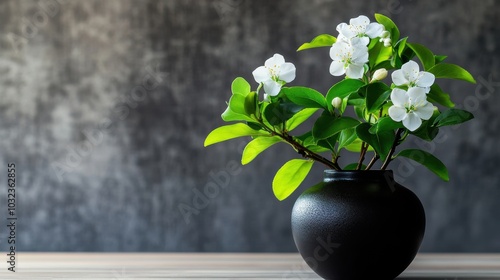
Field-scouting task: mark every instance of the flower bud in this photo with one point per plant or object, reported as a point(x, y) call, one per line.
point(266, 98)
point(385, 34)
point(337, 102)
point(387, 42)
point(379, 75)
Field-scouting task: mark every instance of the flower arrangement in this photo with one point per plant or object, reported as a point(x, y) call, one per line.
point(382, 117)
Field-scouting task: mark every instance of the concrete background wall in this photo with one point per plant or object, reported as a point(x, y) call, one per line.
point(105, 105)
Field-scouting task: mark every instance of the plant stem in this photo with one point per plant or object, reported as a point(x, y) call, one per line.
point(364, 147)
point(305, 152)
point(374, 159)
point(393, 148)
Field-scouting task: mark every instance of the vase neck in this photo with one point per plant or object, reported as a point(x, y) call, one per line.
point(358, 175)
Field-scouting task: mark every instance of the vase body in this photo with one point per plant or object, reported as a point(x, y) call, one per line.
point(358, 225)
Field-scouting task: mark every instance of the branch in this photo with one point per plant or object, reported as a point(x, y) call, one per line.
point(364, 148)
point(303, 151)
point(374, 159)
point(393, 148)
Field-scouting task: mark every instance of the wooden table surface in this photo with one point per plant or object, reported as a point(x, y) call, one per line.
point(150, 266)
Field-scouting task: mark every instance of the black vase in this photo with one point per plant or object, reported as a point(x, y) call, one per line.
point(358, 225)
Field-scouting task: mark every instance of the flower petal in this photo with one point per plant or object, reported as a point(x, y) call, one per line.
point(374, 30)
point(398, 78)
point(342, 38)
point(346, 30)
point(425, 112)
point(272, 87)
point(276, 60)
point(399, 97)
point(412, 122)
point(362, 40)
point(355, 71)
point(417, 96)
point(359, 42)
point(397, 113)
point(339, 50)
point(287, 72)
point(359, 54)
point(410, 70)
point(337, 68)
point(261, 74)
point(425, 79)
point(361, 21)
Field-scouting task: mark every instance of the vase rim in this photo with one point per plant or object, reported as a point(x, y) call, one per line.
point(335, 175)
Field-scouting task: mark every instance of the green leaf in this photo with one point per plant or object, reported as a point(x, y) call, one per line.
point(290, 176)
point(424, 54)
point(281, 111)
point(306, 97)
point(240, 86)
point(355, 146)
point(343, 88)
point(401, 45)
point(231, 131)
point(257, 146)
point(452, 117)
point(317, 149)
point(229, 115)
point(384, 124)
point(323, 40)
point(427, 160)
point(306, 139)
point(451, 71)
point(237, 104)
point(427, 131)
point(437, 95)
point(440, 58)
point(251, 103)
point(327, 125)
point(381, 142)
point(378, 54)
point(347, 136)
point(299, 118)
point(376, 94)
point(329, 143)
point(389, 26)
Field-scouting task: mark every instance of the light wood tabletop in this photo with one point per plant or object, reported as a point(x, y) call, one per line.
point(151, 266)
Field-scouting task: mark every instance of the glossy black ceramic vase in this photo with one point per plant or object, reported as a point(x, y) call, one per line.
point(358, 225)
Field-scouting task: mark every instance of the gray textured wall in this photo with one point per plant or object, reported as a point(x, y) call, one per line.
point(105, 105)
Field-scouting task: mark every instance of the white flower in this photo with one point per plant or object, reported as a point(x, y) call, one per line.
point(266, 98)
point(387, 42)
point(360, 27)
point(379, 74)
point(274, 74)
point(386, 38)
point(384, 34)
point(411, 76)
point(348, 58)
point(411, 107)
point(337, 102)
